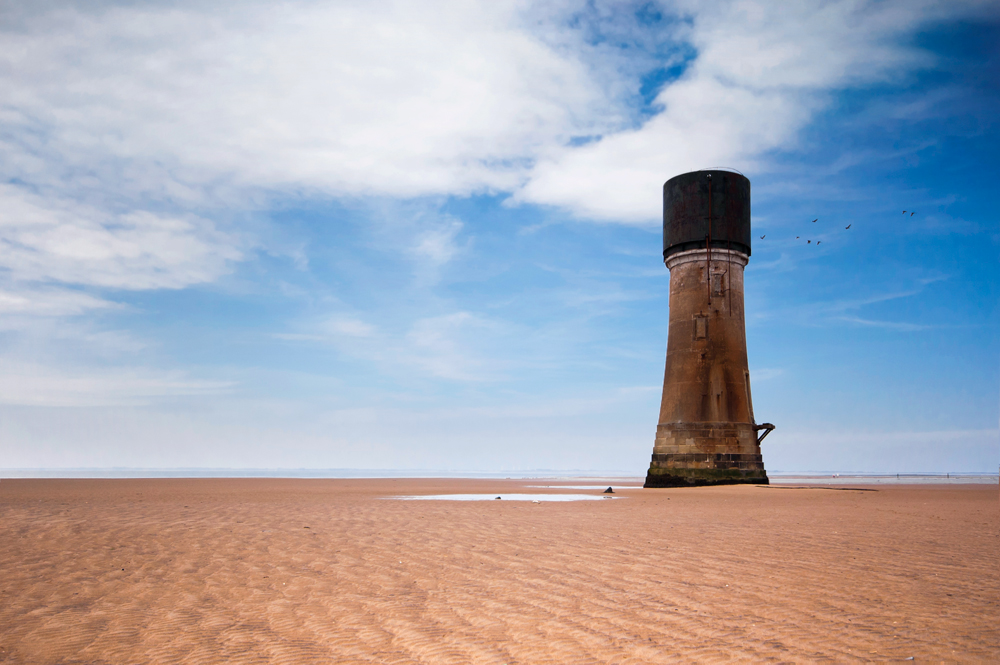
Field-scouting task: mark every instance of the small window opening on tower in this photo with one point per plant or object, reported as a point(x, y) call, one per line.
point(717, 284)
point(700, 327)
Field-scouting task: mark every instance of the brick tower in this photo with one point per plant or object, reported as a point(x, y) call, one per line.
point(706, 434)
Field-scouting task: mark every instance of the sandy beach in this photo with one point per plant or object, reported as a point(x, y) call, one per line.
point(303, 571)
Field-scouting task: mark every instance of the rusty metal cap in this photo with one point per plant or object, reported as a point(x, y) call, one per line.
point(686, 223)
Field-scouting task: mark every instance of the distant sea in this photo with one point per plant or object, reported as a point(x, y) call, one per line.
point(312, 473)
point(776, 477)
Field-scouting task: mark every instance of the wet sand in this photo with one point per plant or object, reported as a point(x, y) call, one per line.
point(302, 571)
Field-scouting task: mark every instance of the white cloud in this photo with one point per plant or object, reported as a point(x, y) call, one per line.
point(763, 69)
point(48, 302)
point(374, 98)
point(45, 240)
point(126, 128)
point(227, 103)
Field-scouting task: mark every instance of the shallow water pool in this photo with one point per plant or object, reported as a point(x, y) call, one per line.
point(507, 497)
point(585, 487)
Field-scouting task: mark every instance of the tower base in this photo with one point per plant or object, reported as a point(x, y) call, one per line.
point(694, 469)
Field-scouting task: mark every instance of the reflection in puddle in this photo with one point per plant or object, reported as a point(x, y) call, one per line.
point(506, 497)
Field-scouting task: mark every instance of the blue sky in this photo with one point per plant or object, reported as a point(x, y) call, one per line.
point(427, 235)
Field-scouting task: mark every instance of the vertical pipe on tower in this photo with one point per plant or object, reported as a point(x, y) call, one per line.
point(706, 433)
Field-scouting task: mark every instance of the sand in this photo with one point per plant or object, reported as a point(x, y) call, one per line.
point(304, 571)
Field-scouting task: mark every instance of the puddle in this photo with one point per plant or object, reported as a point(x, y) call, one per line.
point(585, 487)
point(507, 497)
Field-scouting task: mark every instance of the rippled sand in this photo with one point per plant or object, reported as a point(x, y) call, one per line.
point(301, 571)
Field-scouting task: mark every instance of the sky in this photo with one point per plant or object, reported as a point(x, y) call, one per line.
point(427, 235)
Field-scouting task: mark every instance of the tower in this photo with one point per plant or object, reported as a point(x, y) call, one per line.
point(707, 434)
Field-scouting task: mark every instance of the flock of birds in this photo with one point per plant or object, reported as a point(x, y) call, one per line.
point(818, 242)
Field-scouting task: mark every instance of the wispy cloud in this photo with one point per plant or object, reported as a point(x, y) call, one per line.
point(442, 347)
point(847, 310)
point(448, 346)
point(888, 325)
point(348, 328)
point(436, 244)
point(44, 385)
point(47, 302)
point(47, 240)
point(765, 373)
point(856, 303)
point(333, 330)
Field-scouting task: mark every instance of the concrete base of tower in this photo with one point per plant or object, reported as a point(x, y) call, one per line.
point(694, 469)
point(706, 453)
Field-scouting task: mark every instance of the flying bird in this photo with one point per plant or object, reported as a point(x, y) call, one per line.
point(797, 237)
point(904, 212)
point(818, 241)
point(815, 220)
point(912, 214)
point(762, 237)
point(809, 241)
point(848, 226)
